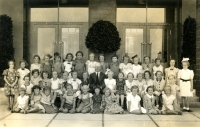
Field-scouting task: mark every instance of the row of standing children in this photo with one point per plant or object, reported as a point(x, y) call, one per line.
point(11, 75)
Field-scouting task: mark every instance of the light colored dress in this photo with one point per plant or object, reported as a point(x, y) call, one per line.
point(22, 73)
point(35, 66)
point(140, 85)
point(147, 83)
point(171, 71)
point(22, 101)
point(111, 106)
point(155, 69)
point(75, 83)
point(134, 102)
point(185, 77)
point(28, 88)
point(129, 85)
point(136, 69)
point(36, 81)
point(126, 68)
point(168, 101)
point(55, 86)
point(68, 66)
point(110, 83)
point(90, 66)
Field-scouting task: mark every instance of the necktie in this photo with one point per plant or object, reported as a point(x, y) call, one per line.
point(97, 79)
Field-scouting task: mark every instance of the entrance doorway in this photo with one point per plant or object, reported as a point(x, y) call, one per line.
point(58, 30)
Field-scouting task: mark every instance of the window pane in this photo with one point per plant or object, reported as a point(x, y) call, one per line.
point(46, 36)
point(70, 37)
point(134, 38)
point(156, 38)
point(44, 14)
point(156, 15)
point(73, 15)
point(131, 15)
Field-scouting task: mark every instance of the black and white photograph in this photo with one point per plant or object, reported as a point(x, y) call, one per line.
point(99, 63)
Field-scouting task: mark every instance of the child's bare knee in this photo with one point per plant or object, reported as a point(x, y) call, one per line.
point(65, 110)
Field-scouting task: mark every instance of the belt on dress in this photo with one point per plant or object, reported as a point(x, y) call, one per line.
point(184, 80)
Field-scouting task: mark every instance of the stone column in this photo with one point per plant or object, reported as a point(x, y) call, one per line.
point(102, 10)
point(198, 48)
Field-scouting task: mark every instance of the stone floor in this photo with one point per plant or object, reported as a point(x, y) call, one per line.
point(8, 119)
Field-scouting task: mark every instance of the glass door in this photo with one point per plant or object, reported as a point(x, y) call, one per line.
point(45, 40)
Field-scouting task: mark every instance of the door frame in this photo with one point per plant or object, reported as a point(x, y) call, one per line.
point(83, 27)
point(146, 37)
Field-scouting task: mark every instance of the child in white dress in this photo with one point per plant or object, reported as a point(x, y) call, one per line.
point(185, 80)
point(172, 70)
point(22, 72)
point(148, 82)
point(55, 88)
point(90, 64)
point(36, 64)
point(68, 64)
point(76, 83)
point(133, 101)
point(136, 68)
point(125, 67)
point(169, 103)
point(140, 83)
point(27, 85)
point(129, 82)
point(157, 67)
point(110, 82)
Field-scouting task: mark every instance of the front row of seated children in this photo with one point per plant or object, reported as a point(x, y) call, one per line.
point(41, 101)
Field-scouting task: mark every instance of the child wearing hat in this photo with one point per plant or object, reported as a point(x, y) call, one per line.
point(185, 82)
point(86, 100)
point(22, 101)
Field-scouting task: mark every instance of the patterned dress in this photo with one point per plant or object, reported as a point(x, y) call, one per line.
point(97, 99)
point(11, 77)
point(120, 87)
point(111, 106)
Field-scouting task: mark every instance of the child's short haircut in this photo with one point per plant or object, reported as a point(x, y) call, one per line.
point(148, 73)
point(158, 59)
point(114, 56)
point(65, 72)
point(35, 70)
point(131, 74)
point(74, 72)
point(104, 91)
point(26, 76)
point(126, 56)
point(101, 55)
point(23, 61)
point(36, 56)
point(166, 87)
point(36, 87)
point(11, 61)
point(171, 76)
point(158, 72)
point(147, 57)
point(68, 54)
point(139, 74)
point(48, 55)
point(67, 84)
point(57, 56)
point(111, 72)
point(46, 72)
point(149, 87)
point(121, 73)
point(136, 56)
point(46, 88)
point(86, 73)
point(134, 87)
point(79, 52)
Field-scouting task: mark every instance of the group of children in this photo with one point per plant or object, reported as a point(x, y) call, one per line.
point(139, 88)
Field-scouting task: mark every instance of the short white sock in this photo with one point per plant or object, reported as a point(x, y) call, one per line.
point(184, 107)
point(187, 108)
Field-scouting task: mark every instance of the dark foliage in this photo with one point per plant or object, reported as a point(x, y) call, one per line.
point(103, 37)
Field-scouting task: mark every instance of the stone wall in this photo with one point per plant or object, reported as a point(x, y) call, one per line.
point(14, 9)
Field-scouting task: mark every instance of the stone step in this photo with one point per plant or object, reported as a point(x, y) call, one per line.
point(193, 105)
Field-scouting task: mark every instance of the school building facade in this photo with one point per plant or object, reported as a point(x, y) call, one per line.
point(146, 27)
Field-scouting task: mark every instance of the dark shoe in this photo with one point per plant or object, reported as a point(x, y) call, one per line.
point(189, 110)
point(179, 113)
